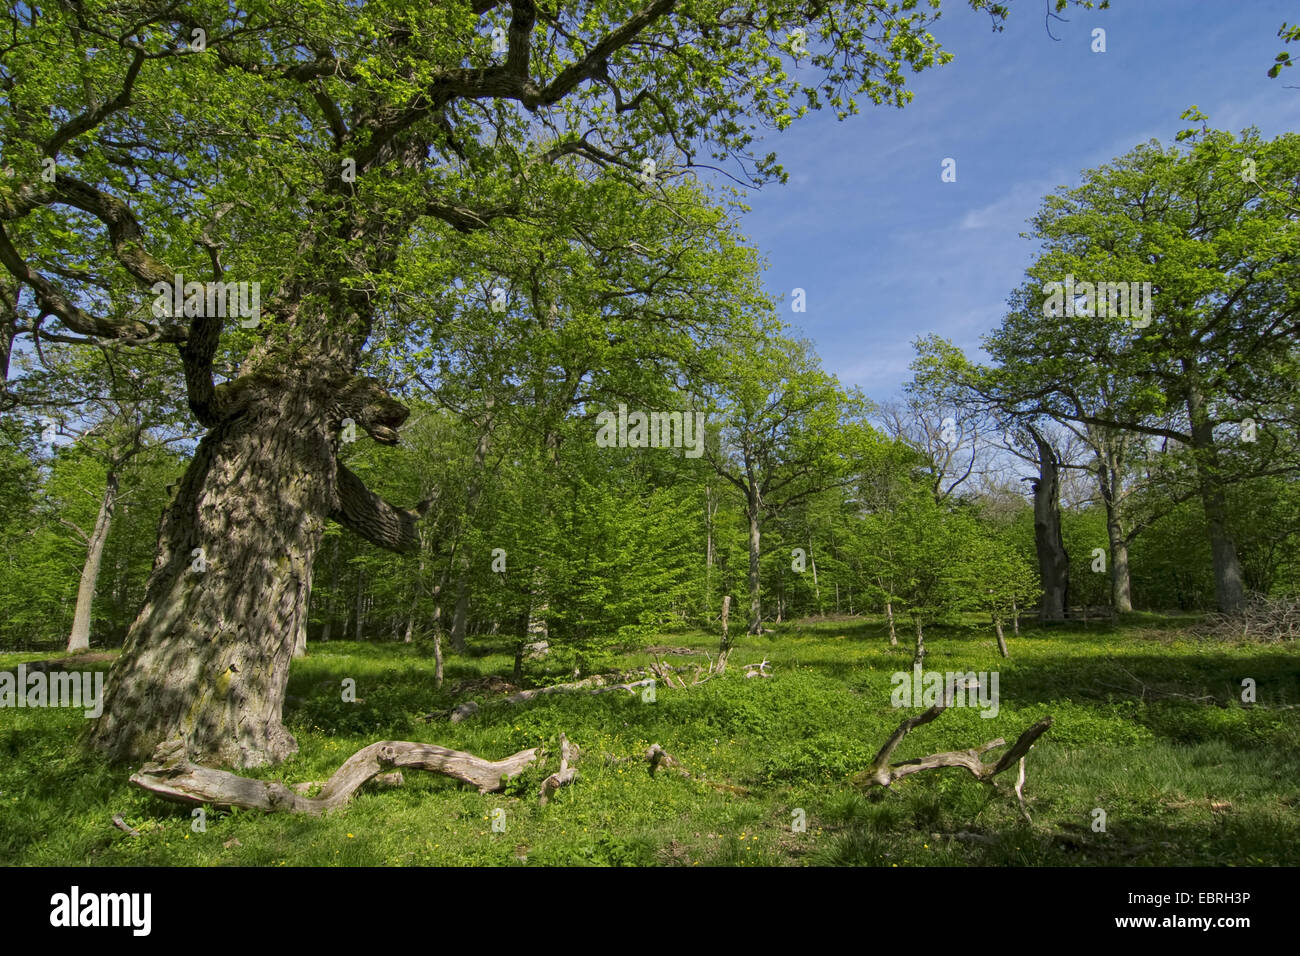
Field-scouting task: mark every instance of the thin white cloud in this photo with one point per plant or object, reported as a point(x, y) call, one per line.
point(1009, 211)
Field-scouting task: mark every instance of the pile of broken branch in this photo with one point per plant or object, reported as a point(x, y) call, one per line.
point(1262, 618)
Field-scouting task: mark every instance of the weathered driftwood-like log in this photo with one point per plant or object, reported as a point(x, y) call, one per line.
point(564, 775)
point(758, 670)
point(119, 821)
point(394, 779)
point(881, 773)
point(171, 775)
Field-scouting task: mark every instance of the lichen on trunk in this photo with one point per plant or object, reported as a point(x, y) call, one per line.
point(207, 659)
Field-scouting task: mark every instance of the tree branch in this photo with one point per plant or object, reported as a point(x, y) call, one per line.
point(361, 510)
point(171, 775)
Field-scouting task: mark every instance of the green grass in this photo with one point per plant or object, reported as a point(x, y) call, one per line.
point(1181, 781)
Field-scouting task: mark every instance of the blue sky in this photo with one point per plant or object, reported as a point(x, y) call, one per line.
point(887, 252)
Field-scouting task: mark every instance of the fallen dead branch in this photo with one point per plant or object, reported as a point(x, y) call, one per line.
point(965, 836)
point(758, 670)
point(882, 773)
point(119, 821)
point(171, 775)
point(564, 775)
point(593, 685)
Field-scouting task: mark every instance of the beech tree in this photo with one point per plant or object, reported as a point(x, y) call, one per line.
point(121, 415)
point(322, 152)
point(788, 431)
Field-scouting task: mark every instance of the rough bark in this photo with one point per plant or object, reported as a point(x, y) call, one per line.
point(172, 775)
point(1229, 588)
point(207, 659)
point(79, 639)
point(1053, 562)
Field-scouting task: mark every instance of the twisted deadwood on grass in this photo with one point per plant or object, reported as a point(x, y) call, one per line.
point(882, 773)
point(564, 775)
point(171, 775)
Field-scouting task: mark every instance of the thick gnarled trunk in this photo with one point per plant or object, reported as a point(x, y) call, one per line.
point(1229, 589)
point(207, 659)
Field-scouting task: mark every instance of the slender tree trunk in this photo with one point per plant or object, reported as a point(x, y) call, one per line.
point(1053, 562)
point(724, 646)
point(521, 642)
point(9, 319)
point(918, 659)
point(709, 508)
point(79, 639)
point(437, 629)
point(1015, 618)
point(817, 591)
point(334, 592)
point(889, 613)
point(460, 616)
point(360, 603)
point(300, 641)
point(755, 601)
point(1002, 639)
